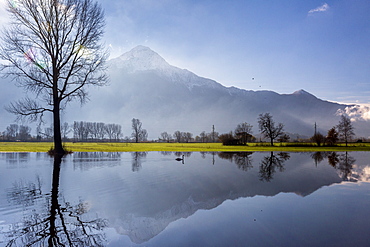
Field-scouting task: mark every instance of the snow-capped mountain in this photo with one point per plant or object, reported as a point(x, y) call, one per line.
point(143, 59)
point(166, 98)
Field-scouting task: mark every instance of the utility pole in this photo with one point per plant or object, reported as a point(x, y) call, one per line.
point(315, 128)
point(213, 133)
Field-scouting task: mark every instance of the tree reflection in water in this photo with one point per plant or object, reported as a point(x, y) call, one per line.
point(269, 164)
point(318, 157)
point(57, 225)
point(24, 193)
point(343, 162)
point(136, 160)
point(242, 159)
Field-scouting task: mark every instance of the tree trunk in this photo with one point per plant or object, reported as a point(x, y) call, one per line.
point(58, 147)
point(272, 142)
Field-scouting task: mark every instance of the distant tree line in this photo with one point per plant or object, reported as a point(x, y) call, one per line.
point(93, 131)
point(243, 134)
point(267, 127)
point(185, 137)
point(343, 131)
point(16, 132)
point(81, 130)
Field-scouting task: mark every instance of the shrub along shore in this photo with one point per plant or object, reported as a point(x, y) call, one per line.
point(179, 147)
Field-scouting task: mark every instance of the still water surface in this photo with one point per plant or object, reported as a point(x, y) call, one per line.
point(208, 199)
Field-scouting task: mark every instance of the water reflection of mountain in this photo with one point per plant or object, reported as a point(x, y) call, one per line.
point(140, 194)
point(153, 200)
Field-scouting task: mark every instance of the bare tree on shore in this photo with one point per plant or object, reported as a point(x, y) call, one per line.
point(138, 133)
point(52, 49)
point(345, 129)
point(268, 129)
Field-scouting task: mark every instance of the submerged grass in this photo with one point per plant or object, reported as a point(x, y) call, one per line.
point(180, 147)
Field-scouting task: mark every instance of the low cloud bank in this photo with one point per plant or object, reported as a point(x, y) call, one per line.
point(356, 112)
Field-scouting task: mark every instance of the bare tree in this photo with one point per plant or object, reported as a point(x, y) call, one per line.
point(177, 135)
point(12, 131)
point(48, 132)
point(117, 132)
point(100, 127)
point(244, 132)
point(24, 133)
point(65, 130)
point(186, 136)
point(138, 133)
point(165, 136)
point(81, 130)
point(345, 129)
point(98, 131)
point(268, 129)
point(109, 130)
point(203, 136)
point(53, 50)
point(144, 135)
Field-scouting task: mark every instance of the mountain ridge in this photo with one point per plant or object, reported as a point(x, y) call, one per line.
point(167, 98)
point(142, 58)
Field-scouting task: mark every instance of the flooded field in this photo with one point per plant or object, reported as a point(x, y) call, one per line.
point(200, 199)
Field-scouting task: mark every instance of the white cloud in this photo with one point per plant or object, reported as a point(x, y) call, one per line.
point(356, 112)
point(321, 8)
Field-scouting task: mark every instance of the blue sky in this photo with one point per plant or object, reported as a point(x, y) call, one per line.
point(286, 45)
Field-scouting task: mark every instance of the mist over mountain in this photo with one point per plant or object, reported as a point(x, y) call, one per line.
point(166, 98)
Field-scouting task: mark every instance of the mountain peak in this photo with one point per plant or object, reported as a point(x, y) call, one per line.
point(303, 93)
point(141, 58)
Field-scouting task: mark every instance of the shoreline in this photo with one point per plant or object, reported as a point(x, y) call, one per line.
point(11, 147)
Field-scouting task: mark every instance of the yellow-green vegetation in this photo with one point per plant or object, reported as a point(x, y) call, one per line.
point(180, 147)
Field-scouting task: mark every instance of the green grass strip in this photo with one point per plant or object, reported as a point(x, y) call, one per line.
point(179, 147)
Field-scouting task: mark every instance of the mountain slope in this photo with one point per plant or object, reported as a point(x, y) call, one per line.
point(165, 98)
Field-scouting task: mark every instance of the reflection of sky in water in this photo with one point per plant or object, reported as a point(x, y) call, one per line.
point(152, 200)
point(282, 220)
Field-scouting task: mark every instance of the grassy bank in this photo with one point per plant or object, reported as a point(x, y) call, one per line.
point(180, 147)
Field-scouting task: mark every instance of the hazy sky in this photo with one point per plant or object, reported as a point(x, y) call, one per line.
point(285, 45)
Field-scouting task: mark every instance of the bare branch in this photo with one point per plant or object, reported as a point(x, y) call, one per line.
point(53, 50)
point(27, 108)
